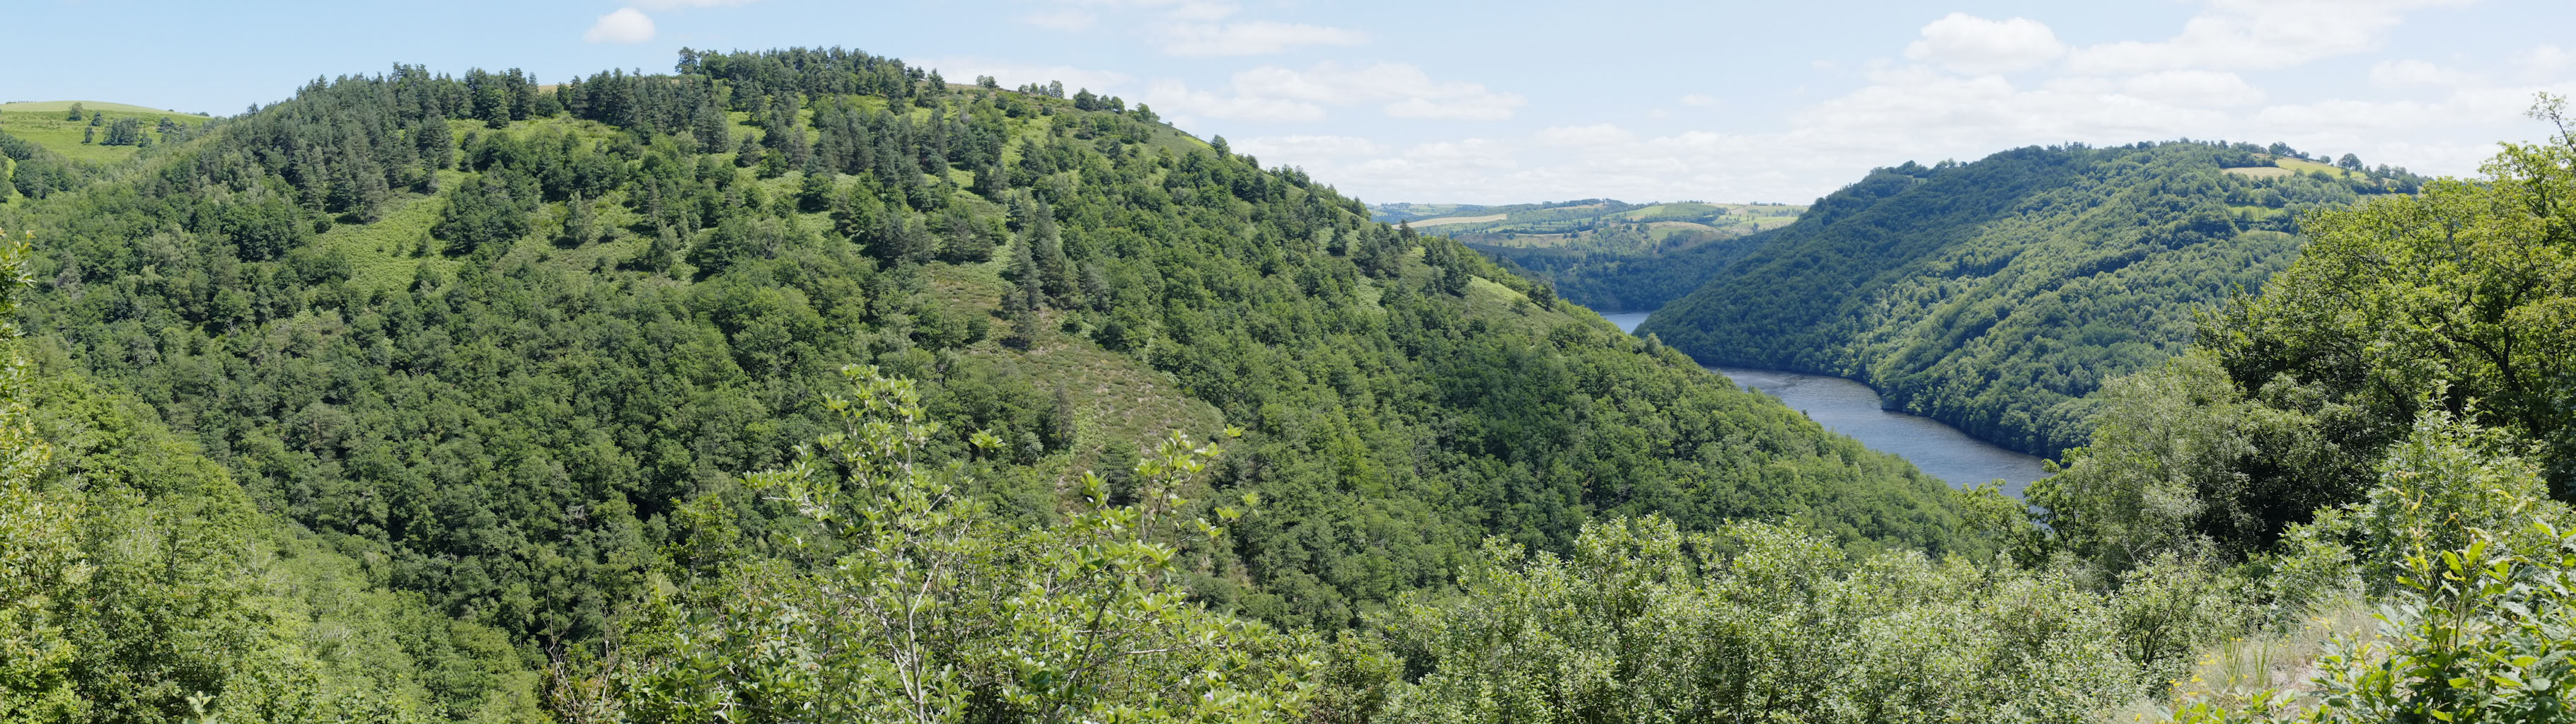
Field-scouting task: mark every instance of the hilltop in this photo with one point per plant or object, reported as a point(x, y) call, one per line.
point(95, 137)
point(61, 106)
point(1673, 225)
point(1603, 253)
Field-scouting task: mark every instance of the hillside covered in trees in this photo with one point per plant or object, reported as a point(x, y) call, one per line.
point(505, 352)
point(804, 386)
point(1998, 295)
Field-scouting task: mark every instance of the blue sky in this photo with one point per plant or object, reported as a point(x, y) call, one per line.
point(1492, 102)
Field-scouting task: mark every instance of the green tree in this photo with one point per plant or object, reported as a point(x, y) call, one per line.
point(1754, 622)
point(2182, 463)
point(922, 609)
point(2476, 562)
point(2463, 297)
point(581, 222)
point(489, 212)
point(39, 556)
point(125, 131)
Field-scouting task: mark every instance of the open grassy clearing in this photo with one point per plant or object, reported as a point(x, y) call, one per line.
point(60, 106)
point(2259, 171)
point(1117, 399)
point(2301, 165)
point(48, 128)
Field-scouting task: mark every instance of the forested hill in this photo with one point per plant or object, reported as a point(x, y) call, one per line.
point(1605, 254)
point(506, 349)
point(1998, 295)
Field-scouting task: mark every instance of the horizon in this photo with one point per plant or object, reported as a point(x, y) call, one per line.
point(1806, 99)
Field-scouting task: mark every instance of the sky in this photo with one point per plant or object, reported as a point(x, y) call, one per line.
point(1488, 102)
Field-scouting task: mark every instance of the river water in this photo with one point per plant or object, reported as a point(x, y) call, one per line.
point(1852, 408)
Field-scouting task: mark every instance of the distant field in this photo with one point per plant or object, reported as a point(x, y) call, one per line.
point(2259, 171)
point(2300, 165)
point(1458, 220)
point(2284, 166)
point(60, 106)
point(1594, 224)
point(42, 122)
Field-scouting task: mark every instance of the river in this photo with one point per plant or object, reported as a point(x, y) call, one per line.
point(1852, 408)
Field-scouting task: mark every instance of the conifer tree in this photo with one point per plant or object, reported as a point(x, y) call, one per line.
point(580, 221)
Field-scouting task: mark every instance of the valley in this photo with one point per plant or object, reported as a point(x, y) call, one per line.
point(806, 384)
point(1851, 408)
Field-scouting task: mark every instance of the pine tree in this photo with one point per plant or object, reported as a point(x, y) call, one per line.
point(436, 146)
point(1027, 284)
point(1060, 422)
point(1025, 328)
point(1055, 271)
point(711, 128)
point(580, 221)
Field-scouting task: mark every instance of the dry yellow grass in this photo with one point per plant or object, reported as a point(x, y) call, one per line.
point(2258, 171)
point(2233, 672)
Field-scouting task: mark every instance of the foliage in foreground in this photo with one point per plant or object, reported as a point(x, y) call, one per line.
point(915, 605)
point(1755, 622)
point(2479, 620)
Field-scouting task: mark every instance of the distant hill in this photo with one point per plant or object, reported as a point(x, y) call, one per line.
point(45, 124)
point(1603, 253)
point(1997, 295)
point(60, 106)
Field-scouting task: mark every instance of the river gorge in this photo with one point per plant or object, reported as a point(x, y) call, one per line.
point(1852, 408)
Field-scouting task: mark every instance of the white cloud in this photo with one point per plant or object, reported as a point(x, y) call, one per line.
point(1293, 147)
point(1186, 106)
point(1971, 44)
point(1438, 167)
point(1593, 136)
point(1281, 94)
point(1967, 88)
point(2414, 73)
point(677, 4)
point(1479, 107)
point(2545, 62)
point(627, 25)
point(1194, 28)
point(2257, 35)
point(2196, 88)
point(1069, 20)
point(1260, 37)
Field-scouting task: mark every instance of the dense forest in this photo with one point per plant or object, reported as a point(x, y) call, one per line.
point(1998, 295)
point(805, 386)
point(512, 350)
